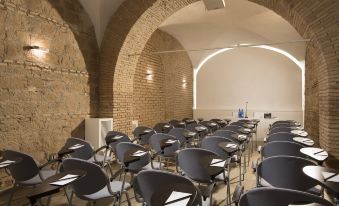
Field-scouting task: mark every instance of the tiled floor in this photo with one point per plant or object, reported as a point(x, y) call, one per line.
point(60, 199)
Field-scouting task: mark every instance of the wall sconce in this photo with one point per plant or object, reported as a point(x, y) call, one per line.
point(37, 51)
point(184, 83)
point(149, 75)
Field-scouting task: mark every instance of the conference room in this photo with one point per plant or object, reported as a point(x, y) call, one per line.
point(169, 102)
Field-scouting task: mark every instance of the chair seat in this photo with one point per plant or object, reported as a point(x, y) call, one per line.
point(36, 179)
point(104, 192)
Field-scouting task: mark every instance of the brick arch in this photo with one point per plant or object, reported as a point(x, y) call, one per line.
point(135, 21)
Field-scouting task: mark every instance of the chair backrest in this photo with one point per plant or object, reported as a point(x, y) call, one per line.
point(226, 134)
point(139, 133)
point(150, 182)
point(211, 143)
point(189, 121)
point(25, 169)
point(189, 160)
point(220, 122)
point(84, 152)
point(168, 151)
point(209, 126)
point(112, 134)
point(283, 125)
point(176, 123)
point(244, 120)
point(179, 133)
point(191, 126)
point(284, 122)
point(280, 129)
point(281, 136)
point(123, 147)
point(279, 148)
point(234, 128)
point(240, 124)
point(162, 127)
point(94, 180)
point(267, 196)
point(286, 172)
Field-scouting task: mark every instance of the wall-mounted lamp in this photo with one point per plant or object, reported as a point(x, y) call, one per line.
point(37, 51)
point(36, 48)
point(149, 75)
point(184, 83)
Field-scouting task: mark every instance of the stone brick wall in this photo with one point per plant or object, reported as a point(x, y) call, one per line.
point(44, 98)
point(163, 98)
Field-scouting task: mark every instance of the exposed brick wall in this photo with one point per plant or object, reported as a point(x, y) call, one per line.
point(162, 98)
point(117, 66)
point(313, 19)
point(45, 100)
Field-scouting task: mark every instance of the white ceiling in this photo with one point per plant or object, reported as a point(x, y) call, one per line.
point(241, 22)
point(196, 28)
point(100, 12)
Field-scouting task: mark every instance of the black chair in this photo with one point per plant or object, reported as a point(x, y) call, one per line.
point(244, 145)
point(189, 161)
point(168, 152)
point(279, 148)
point(280, 197)
point(143, 134)
point(280, 129)
point(163, 127)
point(184, 136)
point(155, 184)
point(220, 122)
point(86, 152)
point(114, 137)
point(212, 126)
point(286, 172)
point(26, 172)
point(177, 124)
point(201, 130)
point(281, 136)
point(95, 185)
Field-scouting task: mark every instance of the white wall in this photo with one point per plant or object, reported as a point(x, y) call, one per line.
point(268, 81)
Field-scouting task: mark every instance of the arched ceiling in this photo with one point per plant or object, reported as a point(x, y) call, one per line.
point(241, 22)
point(100, 12)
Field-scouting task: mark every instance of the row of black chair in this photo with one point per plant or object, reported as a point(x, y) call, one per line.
point(281, 167)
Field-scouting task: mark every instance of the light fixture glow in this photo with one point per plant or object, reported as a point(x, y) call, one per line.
point(184, 83)
point(37, 51)
point(149, 75)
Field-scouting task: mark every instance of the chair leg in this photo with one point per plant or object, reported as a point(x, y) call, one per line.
point(211, 198)
point(122, 188)
point(69, 198)
point(229, 193)
point(49, 200)
point(127, 198)
point(11, 195)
